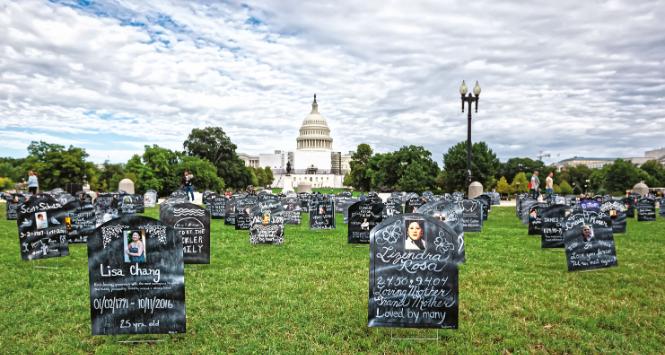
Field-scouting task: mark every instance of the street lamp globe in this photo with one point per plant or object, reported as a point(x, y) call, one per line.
point(476, 89)
point(463, 89)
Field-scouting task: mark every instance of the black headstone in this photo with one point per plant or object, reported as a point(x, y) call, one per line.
point(363, 216)
point(617, 212)
point(413, 276)
point(13, 201)
point(142, 293)
point(646, 209)
point(322, 214)
point(107, 207)
point(589, 242)
point(41, 228)
point(552, 217)
point(191, 223)
point(80, 220)
point(216, 205)
point(536, 218)
point(291, 210)
point(267, 227)
point(393, 207)
point(472, 215)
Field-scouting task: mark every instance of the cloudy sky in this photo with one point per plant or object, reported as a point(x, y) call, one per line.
point(567, 78)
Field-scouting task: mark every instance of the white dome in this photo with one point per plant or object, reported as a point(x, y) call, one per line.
point(314, 131)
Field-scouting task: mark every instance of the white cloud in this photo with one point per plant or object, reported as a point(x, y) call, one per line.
point(568, 78)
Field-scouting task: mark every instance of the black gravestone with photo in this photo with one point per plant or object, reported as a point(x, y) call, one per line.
point(41, 228)
point(616, 210)
point(130, 204)
point(243, 218)
point(80, 221)
point(472, 215)
point(267, 226)
point(363, 216)
point(536, 218)
point(230, 212)
point(150, 198)
point(13, 201)
point(413, 275)
point(413, 203)
point(216, 205)
point(646, 209)
point(322, 213)
point(393, 207)
point(137, 281)
point(661, 207)
point(191, 223)
point(551, 235)
point(207, 194)
point(525, 209)
point(63, 198)
point(291, 210)
point(450, 213)
point(495, 198)
point(106, 208)
point(588, 240)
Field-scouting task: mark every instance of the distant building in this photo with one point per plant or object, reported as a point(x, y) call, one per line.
point(592, 163)
point(595, 163)
point(313, 160)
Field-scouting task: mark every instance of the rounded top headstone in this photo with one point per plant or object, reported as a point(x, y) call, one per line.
point(641, 188)
point(126, 185)
point(475, 189)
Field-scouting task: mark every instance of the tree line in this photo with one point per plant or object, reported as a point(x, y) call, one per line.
point(411, 168)
point(208, 153)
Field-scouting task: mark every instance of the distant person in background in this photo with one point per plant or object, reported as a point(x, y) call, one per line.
point(549, 185)
point(187, 178)
point(33, 182)
point(534, 185)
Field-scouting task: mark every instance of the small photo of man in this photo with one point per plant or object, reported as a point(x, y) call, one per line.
point(587, 233)
point(41, 221)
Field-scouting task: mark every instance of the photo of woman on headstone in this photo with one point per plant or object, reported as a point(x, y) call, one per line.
point(414, 235)
point(134, 247)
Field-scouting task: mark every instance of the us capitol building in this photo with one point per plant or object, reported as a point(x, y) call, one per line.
point(314, 160)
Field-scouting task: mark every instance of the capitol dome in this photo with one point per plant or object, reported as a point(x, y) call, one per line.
point(314, 132)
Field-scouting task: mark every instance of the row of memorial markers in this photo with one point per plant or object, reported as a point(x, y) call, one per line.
point(136, 263)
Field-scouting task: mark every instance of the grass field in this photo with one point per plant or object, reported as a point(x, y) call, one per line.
point(310, 295)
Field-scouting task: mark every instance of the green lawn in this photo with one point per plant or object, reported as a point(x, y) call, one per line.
point(310, 295)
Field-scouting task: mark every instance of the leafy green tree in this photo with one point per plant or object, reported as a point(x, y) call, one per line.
point(503, 187)
point(143, 177)
point(205, 173)
point(565, 188)
point(269, 176)
point(360, 178)
point(527, 165)
point(57, 166)
point(163, 163)
point(484, 166)
point(576, 176)
point(109, 176)
point(13, 169)
point(410, 168)
point(621, 176)
point(212, 144)
point(520, 183)
point(656, 173)
point(6, 184)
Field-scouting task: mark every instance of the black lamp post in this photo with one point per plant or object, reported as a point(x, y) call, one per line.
point(469, 99)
